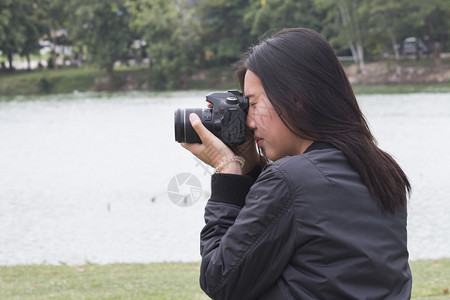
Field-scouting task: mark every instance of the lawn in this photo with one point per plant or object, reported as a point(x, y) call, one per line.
point(160, 281)
point(69, 80)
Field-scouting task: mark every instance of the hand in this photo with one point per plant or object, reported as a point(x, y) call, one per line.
point(249, 152)
point(212, 151)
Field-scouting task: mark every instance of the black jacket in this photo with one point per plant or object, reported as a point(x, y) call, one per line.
point(308, 228)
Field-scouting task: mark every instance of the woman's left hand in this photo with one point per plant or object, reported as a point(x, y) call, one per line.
point(249, 152)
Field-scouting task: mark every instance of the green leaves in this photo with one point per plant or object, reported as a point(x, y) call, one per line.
point(168, 30)
point(267, 15)
point(19, 29)
point(103, 27)
point(179, 36)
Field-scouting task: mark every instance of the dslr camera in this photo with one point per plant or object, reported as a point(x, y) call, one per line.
point(225, 117)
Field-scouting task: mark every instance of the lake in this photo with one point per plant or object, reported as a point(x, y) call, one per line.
point(89, 177)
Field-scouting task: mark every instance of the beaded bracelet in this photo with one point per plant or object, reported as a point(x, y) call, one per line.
point(234, 158)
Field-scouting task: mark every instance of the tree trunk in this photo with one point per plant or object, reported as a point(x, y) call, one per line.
point(362, 65)
point(345, 21)
point(358, 38)
point(353, 35)
point(55, 43)
point(437, 57)
point(436, 48)
point(398, 67)
point(417, 50)
point(354, 52)
point(110, 72)
point(28, 62)
point(10, 60)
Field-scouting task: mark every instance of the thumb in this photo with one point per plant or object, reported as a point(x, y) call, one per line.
point(201, 130)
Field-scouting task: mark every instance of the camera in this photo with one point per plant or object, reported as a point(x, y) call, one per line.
point(225, 118)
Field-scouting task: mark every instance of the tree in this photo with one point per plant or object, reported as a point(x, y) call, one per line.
point(18, 34)
point(430, 22)
point(426, 20)
point(223, 31)
point(171, 34)
point(103, 27)
point(344, 22)
point(7, 42)
point(53, 14)
point(386, 19)
point(268, 15)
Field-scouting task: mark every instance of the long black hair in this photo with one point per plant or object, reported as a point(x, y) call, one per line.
point(307, 86)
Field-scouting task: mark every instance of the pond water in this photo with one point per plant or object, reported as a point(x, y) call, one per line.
point(85, 177)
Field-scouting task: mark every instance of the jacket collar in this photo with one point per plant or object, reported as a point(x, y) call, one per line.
point(319, 145)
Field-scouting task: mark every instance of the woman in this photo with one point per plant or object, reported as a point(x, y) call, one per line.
point(326, 218)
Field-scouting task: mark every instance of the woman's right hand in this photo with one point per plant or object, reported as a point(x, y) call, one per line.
point(212, 151)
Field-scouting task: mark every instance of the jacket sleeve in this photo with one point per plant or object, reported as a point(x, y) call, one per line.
point(245, 250)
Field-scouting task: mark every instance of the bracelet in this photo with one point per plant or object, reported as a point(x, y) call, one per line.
point(234, 158)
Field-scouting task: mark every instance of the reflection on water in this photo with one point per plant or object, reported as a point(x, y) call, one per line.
point(85, 178)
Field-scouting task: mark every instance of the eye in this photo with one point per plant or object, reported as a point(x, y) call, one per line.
point(252, 104)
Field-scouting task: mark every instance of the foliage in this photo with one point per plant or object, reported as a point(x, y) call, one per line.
point(430, 22)
point(178, 37)
point(223, 32)
point(346, 26)
point(102, 26)
point(265, 16)
point(170, 34)
point(19, 28)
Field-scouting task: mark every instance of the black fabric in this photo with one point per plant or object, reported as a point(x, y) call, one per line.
point(231, 188)
point(319, 145)
point(308, 229)
point(255, 173)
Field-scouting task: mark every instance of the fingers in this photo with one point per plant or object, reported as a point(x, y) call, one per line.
point(249, 143)
point(212, 150)
point(201, 130)
point(194, 148)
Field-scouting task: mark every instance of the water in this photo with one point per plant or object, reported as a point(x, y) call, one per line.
point(85, 177)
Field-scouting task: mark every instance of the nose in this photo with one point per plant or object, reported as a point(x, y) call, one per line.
point(250, 121)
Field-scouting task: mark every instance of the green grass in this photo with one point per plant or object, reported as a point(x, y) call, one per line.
point(68, 80)
point(91, 281)
point(47, 81)
point(402, 88)
point(431, 280)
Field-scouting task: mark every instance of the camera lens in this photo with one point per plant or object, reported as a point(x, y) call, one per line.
point(184, 133)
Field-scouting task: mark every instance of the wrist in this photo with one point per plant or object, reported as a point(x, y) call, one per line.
point(232, 165)
point(231, 168)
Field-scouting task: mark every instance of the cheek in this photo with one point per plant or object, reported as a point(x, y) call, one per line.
point(250, 118)
point(259, 120)
point(264, 119)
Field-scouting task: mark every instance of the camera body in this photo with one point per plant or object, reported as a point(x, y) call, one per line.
point(225, 118)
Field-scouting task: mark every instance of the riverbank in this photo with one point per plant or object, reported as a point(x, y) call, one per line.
point(73, 80)
point(378, 78)
point(160, 281)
